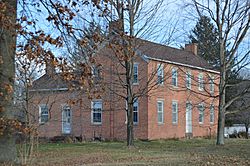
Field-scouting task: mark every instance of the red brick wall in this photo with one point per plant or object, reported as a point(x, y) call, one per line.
point(168, 93)
point(113, 117)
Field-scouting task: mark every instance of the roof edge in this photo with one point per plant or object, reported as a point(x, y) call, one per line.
point(53, 89)
point(182, 64)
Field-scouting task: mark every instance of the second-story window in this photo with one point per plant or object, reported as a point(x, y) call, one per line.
point(174, 77)
point(200, 82)
point(188, 79)
point(135, 75)
point(211, 84)
point(160, 74)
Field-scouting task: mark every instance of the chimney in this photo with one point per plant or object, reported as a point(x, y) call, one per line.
point(50, 69)
point(192, 47)
point(115, 27)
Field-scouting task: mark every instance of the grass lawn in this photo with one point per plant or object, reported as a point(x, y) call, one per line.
point(161, 152)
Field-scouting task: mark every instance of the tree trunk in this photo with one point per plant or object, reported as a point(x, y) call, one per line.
point(130, 133)
point(246, 131)
point(222, 91)
point(7, 73)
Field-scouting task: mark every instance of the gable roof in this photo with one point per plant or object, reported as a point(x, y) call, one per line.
point(146, 48)
point(162, 52)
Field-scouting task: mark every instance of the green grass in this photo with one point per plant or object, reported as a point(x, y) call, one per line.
point(161, 152)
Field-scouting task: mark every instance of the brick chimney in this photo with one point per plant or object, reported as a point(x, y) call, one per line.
point(192, 47)
point(50, 69)
point(115, 27)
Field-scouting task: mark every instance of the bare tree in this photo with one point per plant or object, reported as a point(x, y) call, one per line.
point(232, 19)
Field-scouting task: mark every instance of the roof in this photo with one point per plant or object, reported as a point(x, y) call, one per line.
point(147, 48)
point(47, 82)
point(163, 52)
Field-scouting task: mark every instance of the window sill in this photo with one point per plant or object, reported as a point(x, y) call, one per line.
point(136, 83)
point(96, 124)
point(160, 123)
point(175, 123)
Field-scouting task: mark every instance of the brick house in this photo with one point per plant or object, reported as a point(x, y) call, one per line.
point(182, 104)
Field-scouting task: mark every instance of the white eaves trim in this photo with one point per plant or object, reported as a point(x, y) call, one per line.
point(44, 90)
point(181, 64)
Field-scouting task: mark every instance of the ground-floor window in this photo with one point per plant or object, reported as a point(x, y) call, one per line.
point(43, 113)
point(96, 107)
point(174, 112)
point(212, 114)
point(201, 113)
point(135, 111)
point(160, 111)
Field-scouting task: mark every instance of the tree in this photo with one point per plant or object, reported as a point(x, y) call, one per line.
point(206, 35)
point(232, 20)
point(7, 74)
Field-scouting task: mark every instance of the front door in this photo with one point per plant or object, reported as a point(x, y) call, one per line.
point(188, 118)
point(66, 120)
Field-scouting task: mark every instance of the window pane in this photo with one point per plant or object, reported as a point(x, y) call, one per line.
point(174, 112)
point(44, 114)
point(160, 111)
point(97, 111)
point(135, 111)
point(160, 74)
point(174, 77)
point(188, 80)
point(201, 113)
point(211, 113)
point(135, 75)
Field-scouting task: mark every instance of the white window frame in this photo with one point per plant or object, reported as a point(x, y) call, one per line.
point(40, 113)
point(211, 119)
point(136, 73)
point(200, 82)
point(160, 111)
point(175, 111)
point(201, 110)
point(160, 74)
point(174, 75)
point(92, 111)
point(211, 84)
point(188, 80)
point(136, 104)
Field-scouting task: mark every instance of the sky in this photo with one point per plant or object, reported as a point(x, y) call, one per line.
point(172, 25)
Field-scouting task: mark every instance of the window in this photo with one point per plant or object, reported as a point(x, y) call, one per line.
point(135, 111)
point(160, 71)
point(212, 114)
point(188, 80)
point(135, 75)
point(201, 113)
point(174, 112)
point(211, 84)
point(160, 111)
point(174, 77)
point(200, 82)
point(43, 113)
point(96, 107)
